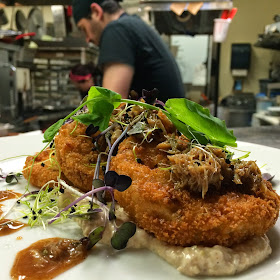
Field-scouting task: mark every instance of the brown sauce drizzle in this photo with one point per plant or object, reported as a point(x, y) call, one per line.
point(47, 258)
point(10, 226)
point(5, 195)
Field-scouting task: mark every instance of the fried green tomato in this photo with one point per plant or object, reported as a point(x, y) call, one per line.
point(76, 155)
point(42, 169)
point(170, 205)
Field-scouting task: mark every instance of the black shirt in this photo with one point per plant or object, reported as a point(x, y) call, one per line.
point(131, 41)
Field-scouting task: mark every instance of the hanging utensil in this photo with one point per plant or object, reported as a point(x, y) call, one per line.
point(3, 17)
point(21, 21)
point(35, 23)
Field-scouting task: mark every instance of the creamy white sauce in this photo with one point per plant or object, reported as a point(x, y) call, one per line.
point(194, 260)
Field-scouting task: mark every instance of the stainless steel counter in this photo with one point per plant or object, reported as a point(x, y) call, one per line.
point(264, 135)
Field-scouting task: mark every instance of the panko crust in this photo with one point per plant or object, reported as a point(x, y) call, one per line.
point(44, 169)
point(180, 217)
point(75, 155)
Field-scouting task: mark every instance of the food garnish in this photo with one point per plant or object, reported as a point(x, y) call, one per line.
point(163, 164)
point(190, 118)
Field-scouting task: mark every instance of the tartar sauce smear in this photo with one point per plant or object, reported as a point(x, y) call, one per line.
point(194, 260)
point(47, 258)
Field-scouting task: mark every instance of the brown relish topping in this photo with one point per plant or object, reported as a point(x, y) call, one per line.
point(47, 258)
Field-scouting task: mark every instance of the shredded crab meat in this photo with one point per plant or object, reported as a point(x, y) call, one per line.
point(196, 170)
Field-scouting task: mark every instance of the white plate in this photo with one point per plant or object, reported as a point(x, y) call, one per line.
point(106, 264)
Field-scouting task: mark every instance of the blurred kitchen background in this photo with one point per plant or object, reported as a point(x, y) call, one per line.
point(235, 71)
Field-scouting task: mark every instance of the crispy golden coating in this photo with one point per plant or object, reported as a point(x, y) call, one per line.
point(75, 155)
point(44, 169)
point(182, 217)
point(183, 194)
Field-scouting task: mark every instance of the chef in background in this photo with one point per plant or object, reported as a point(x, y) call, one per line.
point(132, 55)
point(84, 76)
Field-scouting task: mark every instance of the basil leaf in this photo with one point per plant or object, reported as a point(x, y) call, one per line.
point(100, 116)
point(188, 131)
point(122, 235)
point(200, 119)
point(98, 94)
point(52, 130)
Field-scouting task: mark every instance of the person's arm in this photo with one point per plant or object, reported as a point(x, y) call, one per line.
point(118, 77)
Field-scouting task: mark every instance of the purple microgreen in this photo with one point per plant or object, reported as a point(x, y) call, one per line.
point(150, 96)
point(111, 178)
point(28, 194)
point(91, 129)
point(104, 132)
point(105, 188)
point(267, 176)
point(112, 215)
point(123, 183)
point(94, 237)
point(97, 183)
point(108, 141)
point(97, 167)
point(160, 103)
point(118, 182)
point(122, 235)
point(114, 146)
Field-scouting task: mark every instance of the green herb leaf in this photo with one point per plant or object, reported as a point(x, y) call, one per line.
point(95, 236)
point(99, 94)
point(10, 178)
point(122, 235)
point(100, 116)
point(199, 119)
point(52, 130)
point(188, 131)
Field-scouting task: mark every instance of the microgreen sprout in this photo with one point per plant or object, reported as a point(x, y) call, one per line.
point(10, 177)
point(94, 237)
point(122, 235)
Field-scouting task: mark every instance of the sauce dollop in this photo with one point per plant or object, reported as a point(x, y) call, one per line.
point(48, 258)
point(9, 226)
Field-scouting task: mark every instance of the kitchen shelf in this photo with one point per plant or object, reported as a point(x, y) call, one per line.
point(49, 72)
point(152, 5)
